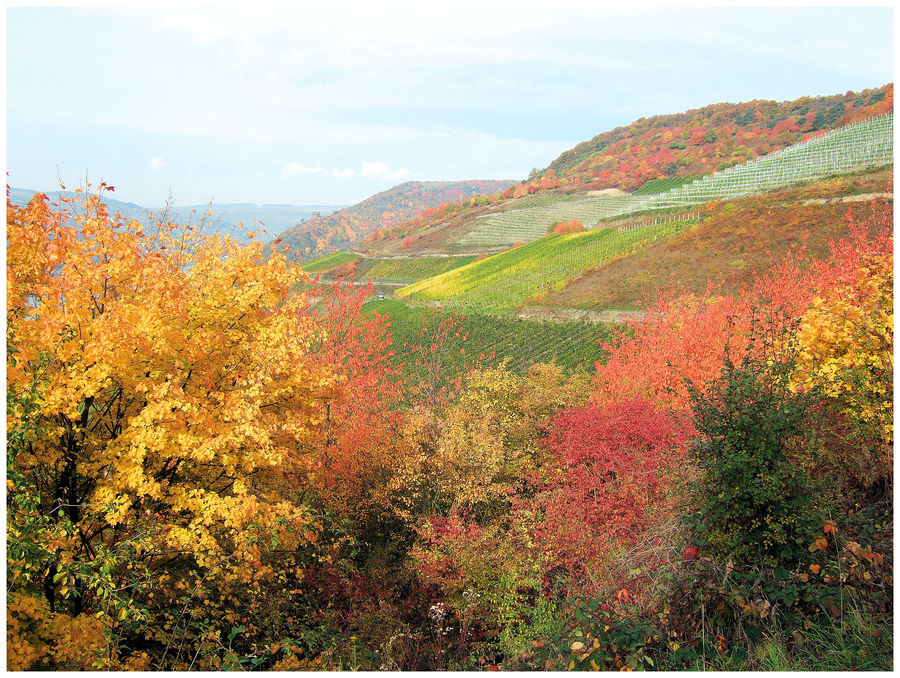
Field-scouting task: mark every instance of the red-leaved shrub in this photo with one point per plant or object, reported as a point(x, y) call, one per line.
point(616, 466)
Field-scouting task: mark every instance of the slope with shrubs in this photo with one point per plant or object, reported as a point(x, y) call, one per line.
point(384, 210)
point(695, 143)
point(207, 472)
point(735, 241)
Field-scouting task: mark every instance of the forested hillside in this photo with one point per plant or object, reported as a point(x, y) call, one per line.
point(705, 140)
point(345, 227)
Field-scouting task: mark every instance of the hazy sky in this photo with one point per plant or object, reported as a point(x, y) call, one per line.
point(330, 104)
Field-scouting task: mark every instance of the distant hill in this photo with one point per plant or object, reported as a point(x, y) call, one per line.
point(272, 218)
point(382, 211)
point(129, 210)
point(660, 149)
point(703, 140)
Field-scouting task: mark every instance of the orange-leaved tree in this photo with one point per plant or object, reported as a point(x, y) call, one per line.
point(359, 441)
point(166, 407)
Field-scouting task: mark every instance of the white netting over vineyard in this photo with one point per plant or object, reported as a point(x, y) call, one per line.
point(869, 143)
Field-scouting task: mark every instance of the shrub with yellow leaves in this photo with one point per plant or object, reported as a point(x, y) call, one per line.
point(173, 403)
point(846, 350)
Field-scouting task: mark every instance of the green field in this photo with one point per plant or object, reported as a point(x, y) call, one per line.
point(328, 262)
point(418, 268)
point(503, 282)
point(573, 345)
point(661, 185)
point(541, 200)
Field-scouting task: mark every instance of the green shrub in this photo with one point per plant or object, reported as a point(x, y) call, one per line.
point(753, 498)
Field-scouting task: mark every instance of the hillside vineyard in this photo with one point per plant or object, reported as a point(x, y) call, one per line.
point(634, 411)
point(864, 144)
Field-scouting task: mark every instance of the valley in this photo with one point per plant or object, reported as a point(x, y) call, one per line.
point(632, 412)
point(636, 246)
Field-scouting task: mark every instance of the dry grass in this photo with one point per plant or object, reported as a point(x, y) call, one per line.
point(738, 240)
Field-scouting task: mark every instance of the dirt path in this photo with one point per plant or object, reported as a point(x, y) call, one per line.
point(568, 314)
point(558, 315)
point(863, 197)
point(615, 192)
point(429, 254)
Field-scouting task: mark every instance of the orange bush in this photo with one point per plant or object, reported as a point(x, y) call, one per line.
point(564, 227)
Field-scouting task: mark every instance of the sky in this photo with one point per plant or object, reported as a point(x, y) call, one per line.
point(329, 103)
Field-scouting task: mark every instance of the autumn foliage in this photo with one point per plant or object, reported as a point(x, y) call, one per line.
point(178, 399)
point(617, 467)
point(207, 470)
point(705, 140)
point(564, 227)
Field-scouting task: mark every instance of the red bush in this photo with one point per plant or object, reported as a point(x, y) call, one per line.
point(563, 227)
point(616, 465)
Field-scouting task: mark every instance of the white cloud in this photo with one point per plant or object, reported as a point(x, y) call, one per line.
point(293, 168)
point(375, 169)
point(370, 170)
point(381, 170)
point(298, 81)
point(157, 164)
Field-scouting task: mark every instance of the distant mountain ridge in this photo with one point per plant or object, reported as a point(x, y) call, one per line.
point(130, 210)
point(382, 211)
point(273, 218)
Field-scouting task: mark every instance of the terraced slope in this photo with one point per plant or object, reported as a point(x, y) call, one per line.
point(503, 282)
point(412, 268)
point(735, 241)
point(864, 144)
point(487, 340)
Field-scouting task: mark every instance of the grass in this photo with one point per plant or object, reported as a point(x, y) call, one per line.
point(488, 339)
point(859, 644)
point(734, 242)
point(329, 261)
point(505, 281)
point(418, 268)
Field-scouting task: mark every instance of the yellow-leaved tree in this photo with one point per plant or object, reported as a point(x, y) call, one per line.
point(847, 351)
point(163, 406)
